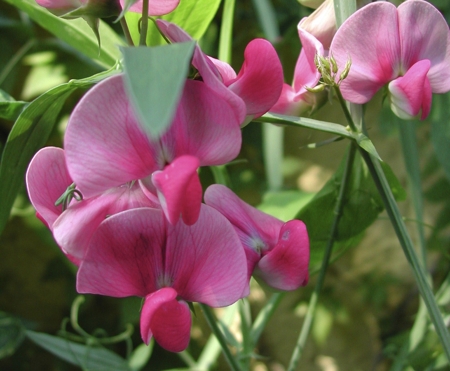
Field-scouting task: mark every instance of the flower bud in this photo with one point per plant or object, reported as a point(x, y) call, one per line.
point(311, 3)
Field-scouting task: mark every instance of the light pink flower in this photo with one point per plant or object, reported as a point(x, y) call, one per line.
point(106, 146)
point(47, 179)
point(137, 253)
point(295, 100)
point(277, 252)
point(406, 47)
point(258, 84)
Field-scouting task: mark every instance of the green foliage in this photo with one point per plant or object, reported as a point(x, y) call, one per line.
point(10, 109)
point(11, 334)
point(155, 78)
point(440, 131)
point(85, 356)
point(76, 33)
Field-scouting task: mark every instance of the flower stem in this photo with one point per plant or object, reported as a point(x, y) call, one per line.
point(126, 31)
point(301, 342)
point(144, 24)
point(405, 241)
point(226, 31)
point(212, 322)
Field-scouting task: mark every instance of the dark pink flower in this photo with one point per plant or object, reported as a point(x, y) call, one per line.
point(257, 86)
point(47, 179)
point(138, 253)
point(277, 252)
point(407, 48)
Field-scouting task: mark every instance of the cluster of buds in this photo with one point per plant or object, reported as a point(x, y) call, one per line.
point(329, 69)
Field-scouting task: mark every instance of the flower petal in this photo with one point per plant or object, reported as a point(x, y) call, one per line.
point(47, 179)
point(260, 79)
point(206, 260)
point(204, 126)
point(156, 7)
point(179, 190)
point(75, 227)
point(285, 267)
point(424, 34)
point(411, 93)
point(209, 73)
point(124, 257)
point(370, 38)
point(105, 146)
point(60, 4)
point(166, 319)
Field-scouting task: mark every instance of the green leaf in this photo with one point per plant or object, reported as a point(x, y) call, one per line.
point(10, 109)
point(440, 131)
point(324, 126)
point(366, 144)
point(362, 205)
point(140, 356)
point(12, 333)
point(343, 9)
point(284, 205)
point(76, 33)
point(192, 16)
point(87, 357)
point(155, 78)
point(29, 133)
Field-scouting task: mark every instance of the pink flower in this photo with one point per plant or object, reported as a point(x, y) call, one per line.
point(106, 8)
point(137, 253)
point(47, 179)
point(295, 100)
point(406, 47)
point(106, 147)
point(257, 86)
point(277, 252)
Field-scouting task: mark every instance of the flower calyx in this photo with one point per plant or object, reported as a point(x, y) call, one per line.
point(329, 69)
point(70, 193)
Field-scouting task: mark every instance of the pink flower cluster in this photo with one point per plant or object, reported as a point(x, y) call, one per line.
point(132, 217)
point(406, 48)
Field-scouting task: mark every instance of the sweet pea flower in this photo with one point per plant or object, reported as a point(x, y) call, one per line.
point(296, 100)
point(257, 86)
point(137, 253)
point(106, 8)
point(106, 147)
point(48, 178)
point(277, 252)
point(407, 48)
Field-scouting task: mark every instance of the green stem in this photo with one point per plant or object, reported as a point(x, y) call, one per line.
point(264, 315)
point(15, 59)
point(212, 322)
point(420, 275)
point(301, 342)
point(144, 24)
point(126, 31)
point(247, 344)
point(226, 31)
point(347, 113)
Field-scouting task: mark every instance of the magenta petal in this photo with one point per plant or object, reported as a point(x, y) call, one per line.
point(206, 260)
point(47, 179)
point(156, 7)
point(179, 189)
point(60, 4)
point(208, 71)
point(424, 34)
point(260, 79)
point(226, 71)
point(411, 93)
point(370, 38)
point(75, 227)
point(292, 104)
point(124, 257)
point(166, 319)
point(105, 146)
point(285, 267)
point(208, 131)
point(306, 73)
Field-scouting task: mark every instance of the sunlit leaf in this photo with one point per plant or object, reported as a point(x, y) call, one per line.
point(284, 205)
point(10, 109)
point(155, 78)
point(140, 356)
point(87, 357)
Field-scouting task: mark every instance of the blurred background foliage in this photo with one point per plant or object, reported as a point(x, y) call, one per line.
point(369, 302)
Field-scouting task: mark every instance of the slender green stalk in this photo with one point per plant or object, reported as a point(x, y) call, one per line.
point(347, 113)
point(265, 314)
point(212, 322)
point(301, 342)
point(126, 31)
point(405, 241)
point(144, 24)
point(226, 31)
point(16, 59)
point(247, 343)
